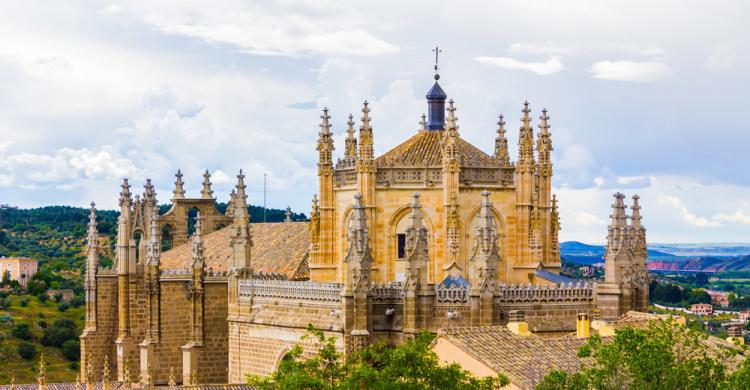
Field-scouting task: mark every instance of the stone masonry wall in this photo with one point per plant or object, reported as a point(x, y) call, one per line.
point(213, 364)
point(96, 344)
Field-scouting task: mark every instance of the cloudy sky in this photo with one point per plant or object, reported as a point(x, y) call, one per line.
point(645, 97)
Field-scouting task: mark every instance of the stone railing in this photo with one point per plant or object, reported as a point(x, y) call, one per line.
point(453, 294)
point(291, 290)
point(387, 292)
point(571, 292)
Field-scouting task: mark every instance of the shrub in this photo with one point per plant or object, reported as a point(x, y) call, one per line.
point(4, 303)
point(77, 301)
point(43, 297)
point(41, 314)
point(24, 302)
point(21, 331)
point(42, 324)
point(58, 297)
point(26, 350)
point(4, 294)
point(62, 306)
point(60, 332)
point(71, 349)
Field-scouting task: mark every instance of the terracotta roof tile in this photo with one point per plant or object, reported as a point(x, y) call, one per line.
point(279, 247)
point(425, 149)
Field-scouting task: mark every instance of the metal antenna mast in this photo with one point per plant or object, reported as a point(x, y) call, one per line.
point(264, 196)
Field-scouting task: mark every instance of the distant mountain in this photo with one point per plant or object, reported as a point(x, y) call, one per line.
point(581, 253)
point(704, 264)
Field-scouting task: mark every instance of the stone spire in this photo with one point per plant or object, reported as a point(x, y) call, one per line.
point(92, 267)
point(153, 247)
point(325, 145)
point(618, 226)
point(149, 194)
point(423, 123)
point(240, 213)
point(230, 204)
point(351, 139)
point(179, 190)
point(366, 151)
point(501, 143)
point(636, 216)
point(638, 232)
point(41, 378)
point(241, 236)
point(555, 231)
point(450, 139)
point(358, 256)
point(544, 146)
point(198, 258)
point(486, 257)
point(416, 248)
point(315, 221)
point(126, 201)
point(206, 192)
point(288, 214)
point(526, 142)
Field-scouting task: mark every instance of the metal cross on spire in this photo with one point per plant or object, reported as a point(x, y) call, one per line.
point(437, 53)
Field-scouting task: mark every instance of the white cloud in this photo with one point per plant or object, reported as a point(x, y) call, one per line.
point(551, 66)
point(738, 216)
point(538, 48)
point(687, 216)
point(646, 71)
point(219, 177)
point(587, 219)
point(722, 57)
point(317, 28)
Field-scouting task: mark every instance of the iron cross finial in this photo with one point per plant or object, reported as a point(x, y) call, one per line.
point(437, 53)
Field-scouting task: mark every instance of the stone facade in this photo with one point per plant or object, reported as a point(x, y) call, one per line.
point(433, 234)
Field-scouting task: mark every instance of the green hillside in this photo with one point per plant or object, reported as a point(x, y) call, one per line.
point(30, 324)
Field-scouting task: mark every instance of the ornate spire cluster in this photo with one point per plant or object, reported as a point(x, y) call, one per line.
point(416, 248)
point(240, 214)
point(241, 236)
point(149, 194)
point(555, 229)
point(153, 247)
point(125, 196)
point(501, 143)
point(366, 143)
point(486, 255)
point(230, 204)
point(206, 192)
point(198, 258)
point(526, 143)
point(179, 186)
point(350, 150)
point(544, 146)
point(358, 256)
point(450, 141)
point(624, 236)
point(315, 221)
point(325, 145)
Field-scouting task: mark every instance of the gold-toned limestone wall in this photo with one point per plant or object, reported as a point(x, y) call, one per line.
point(175, 330)
point(213, 364)
point(96, 344)
point(258, 349)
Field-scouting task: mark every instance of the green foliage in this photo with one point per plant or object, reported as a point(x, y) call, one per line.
point(57, 297)
point(664, 356)
point(23, 302)
point(60, 332)
point(72, 350)
point(42, 297)
point(42, 324)
point(411, 365)
point(21, 331)
point(78, 301)
point(63, 306)
point(26, 350)
point(5, 303)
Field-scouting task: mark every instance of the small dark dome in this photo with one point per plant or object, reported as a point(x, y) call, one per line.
point(436, 93)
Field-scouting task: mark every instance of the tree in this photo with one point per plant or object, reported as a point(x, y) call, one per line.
point(71, 349)
point(42, 297)
point(60, 332)
point(5, 303)
point(698, 295)
point(701, 279)
point(663, 356)
point(411, 365)
point(26, 350)
point(21, 331)
point(58, 297)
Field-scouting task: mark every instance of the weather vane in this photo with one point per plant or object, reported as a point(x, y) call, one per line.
point(437, 52)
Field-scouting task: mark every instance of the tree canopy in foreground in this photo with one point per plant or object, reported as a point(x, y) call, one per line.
point(663, 356)
point(411, 365)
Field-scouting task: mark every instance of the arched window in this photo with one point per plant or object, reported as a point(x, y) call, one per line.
point(167, 237)
point(192, 214)
point(138, 237)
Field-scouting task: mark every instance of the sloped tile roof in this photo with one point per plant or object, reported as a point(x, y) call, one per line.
point(525, 360)
point(278, 247)
point(424, 149)
point(553, 277)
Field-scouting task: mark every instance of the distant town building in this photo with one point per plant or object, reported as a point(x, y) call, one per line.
point(719, 297)
point(745, 315)
point(19, 268)
point(702, 309)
